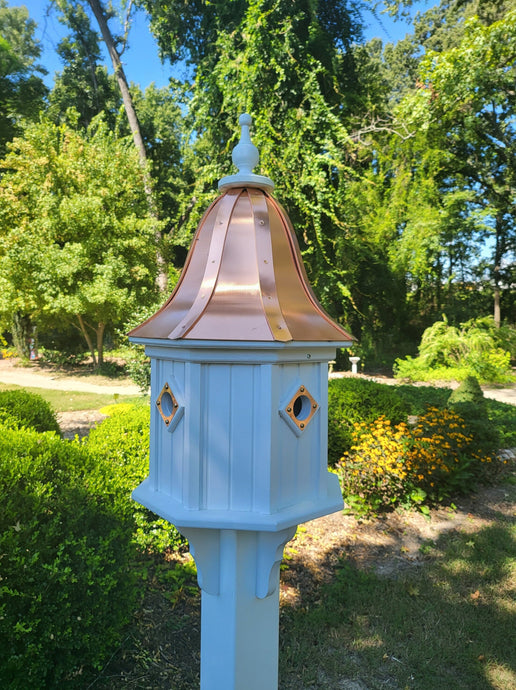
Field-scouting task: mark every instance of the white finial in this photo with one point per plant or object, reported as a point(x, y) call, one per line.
point(245, 156)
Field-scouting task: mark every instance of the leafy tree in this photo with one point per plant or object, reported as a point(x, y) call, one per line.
point(84, 83)
point(22, 90)
point(76, 239)
point(466, 110)
point(76, 16)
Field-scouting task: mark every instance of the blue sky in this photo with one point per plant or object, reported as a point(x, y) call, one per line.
point(141, 61)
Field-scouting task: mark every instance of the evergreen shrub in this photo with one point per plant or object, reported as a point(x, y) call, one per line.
point(355, 400)
point(66, 548)
point(29, 409)
point(468, 401)
point(122, 442)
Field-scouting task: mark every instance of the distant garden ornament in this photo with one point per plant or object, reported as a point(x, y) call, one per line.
point(354, 364)
point(239, 397)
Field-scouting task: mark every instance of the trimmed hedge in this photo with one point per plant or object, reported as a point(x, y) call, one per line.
point(29, 410)
point(354, 400)
point(468, 401)
point(122, 442)
point(66, 550)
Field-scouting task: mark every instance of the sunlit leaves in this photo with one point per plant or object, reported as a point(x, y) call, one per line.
point(76, 237)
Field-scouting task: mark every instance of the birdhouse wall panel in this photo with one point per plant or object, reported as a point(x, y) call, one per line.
point(243, 432)
point(155, 430)
point(217, 433)
point(320, 470)
point(263, 434)
point(301, 456)
point(194, 438)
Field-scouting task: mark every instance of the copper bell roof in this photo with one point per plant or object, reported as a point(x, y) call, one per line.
point(244, 278)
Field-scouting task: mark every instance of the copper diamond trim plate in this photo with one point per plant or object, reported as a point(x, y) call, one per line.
point(168, 406)
point(301, 408)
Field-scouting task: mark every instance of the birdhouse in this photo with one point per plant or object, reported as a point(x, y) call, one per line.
point(239, 369)
point(239, 397)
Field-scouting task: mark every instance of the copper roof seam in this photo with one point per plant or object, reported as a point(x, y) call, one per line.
point(183, 273)
point(298, 262)
point(212, 268)
point(266, 268)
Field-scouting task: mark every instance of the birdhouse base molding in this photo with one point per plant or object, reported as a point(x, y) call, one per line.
point(177, 514)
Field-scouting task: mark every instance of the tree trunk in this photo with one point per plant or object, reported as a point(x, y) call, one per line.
point(134, 124)
point(100, 343)
point(22, 334)
point(497, 311)
point(87, 338)
point(497, 314)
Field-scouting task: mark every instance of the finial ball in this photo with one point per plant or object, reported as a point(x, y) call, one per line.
point(245, 120)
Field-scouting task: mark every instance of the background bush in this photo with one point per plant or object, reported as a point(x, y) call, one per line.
point(474, 348)
point(67, 583)
point(29, 409)
point(352, 400)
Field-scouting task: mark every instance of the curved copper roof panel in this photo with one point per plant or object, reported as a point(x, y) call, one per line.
point(243, 279)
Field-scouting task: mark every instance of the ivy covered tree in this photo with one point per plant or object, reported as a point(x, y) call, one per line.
point(293, 66)
point(76, 238)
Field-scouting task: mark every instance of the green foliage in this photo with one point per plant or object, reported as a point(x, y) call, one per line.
point(29, 410)
point(419, 398)
point(468, 401)
point(354, 400)
point(67, 584)
point(503, 418)
point(448, 352)
point(121, 442)
point(77, 243)
point(22, 90)
point(137, 363)
point(83, 83)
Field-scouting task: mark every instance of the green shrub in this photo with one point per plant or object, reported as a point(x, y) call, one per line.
point(468, 401)
point(29, 409)
point(474, 348)
point(66, 548)
point(419, 398)
point(139, 369)
point(353, 400)
point(122, 441)
point(503, 418)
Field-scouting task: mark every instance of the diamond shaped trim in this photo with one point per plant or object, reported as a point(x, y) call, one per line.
point(167, 404)
point(301, 407)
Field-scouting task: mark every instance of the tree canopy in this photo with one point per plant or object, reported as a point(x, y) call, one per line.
point(77, 241)
point(395, 162)
point(21, 87)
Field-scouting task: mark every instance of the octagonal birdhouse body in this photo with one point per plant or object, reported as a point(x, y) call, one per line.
point(239, 370)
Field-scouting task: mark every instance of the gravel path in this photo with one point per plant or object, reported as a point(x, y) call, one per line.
point(29, 377)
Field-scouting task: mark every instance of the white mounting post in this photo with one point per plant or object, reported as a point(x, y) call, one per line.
point(238, 572)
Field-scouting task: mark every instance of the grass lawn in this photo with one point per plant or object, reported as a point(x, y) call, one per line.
point(448, 623)
point(68, 401)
